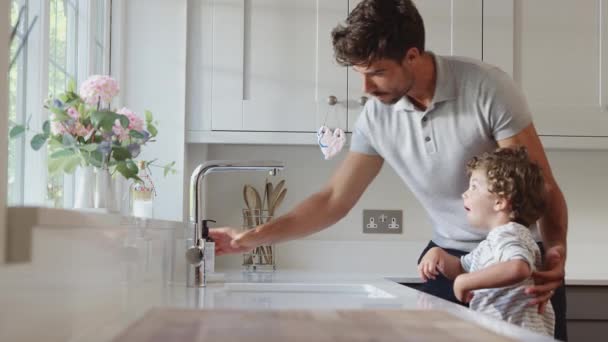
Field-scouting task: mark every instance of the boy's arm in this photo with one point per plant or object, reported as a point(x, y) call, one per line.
point(498, 275)
point(450, 265)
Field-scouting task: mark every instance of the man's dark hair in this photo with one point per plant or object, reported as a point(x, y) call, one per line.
point(378, 29)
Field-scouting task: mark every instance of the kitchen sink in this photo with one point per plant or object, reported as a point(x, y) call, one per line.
point(358, 290)
point(300, 296)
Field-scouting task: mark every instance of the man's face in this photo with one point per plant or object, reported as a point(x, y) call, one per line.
point(386, 79)
point(479, 203)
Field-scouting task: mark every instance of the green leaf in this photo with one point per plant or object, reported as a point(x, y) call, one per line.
point(55, 142)
point(68, 152)
point(153, 131)
point(82, 110)
point(71, 86)
point(124, 170)
point(96, 159)
point(46, 127)
point(132, 166)
point(54, 165)
point(16, 131)
point(89, 147)
point(149, 117)
point(68, 140)
point(60, 115)
point(168, 168)
point(136, 135)
point(38, 141)
point(121, 153)
point(71, 163)
point(106, 119)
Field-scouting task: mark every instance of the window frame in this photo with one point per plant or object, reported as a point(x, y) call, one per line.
point(31, 176)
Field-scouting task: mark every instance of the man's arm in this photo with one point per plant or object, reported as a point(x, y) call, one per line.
point(554, 224)
point(315, 213)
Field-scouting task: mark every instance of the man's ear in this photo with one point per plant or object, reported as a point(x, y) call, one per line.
point(411, 55)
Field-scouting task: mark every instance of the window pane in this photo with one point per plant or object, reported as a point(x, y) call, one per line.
point(99, 36)
point(15, 98)
point(63, 55)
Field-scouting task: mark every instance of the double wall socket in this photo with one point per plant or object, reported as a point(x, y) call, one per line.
point(382, 221)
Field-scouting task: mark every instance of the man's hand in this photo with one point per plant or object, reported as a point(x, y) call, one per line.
point(461, 290)
point(547, 281)
point(229, 240)
point(431, 262)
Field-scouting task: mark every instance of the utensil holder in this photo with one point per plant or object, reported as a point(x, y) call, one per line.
point(261, 258)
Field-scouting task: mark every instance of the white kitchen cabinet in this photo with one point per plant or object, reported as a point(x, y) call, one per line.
point(452, 28)
point(557, 51)
point(273, 67)
point(261, 71)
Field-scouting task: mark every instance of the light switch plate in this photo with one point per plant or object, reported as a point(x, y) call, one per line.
point(382, 221)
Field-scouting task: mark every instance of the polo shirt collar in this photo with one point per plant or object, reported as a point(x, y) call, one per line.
point(445, 86)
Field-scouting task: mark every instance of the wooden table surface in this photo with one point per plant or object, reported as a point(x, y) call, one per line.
point(303, 325)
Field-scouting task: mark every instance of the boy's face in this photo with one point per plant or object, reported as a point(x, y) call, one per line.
point(479, 203)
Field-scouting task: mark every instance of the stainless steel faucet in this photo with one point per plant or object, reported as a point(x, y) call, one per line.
point(195, 255)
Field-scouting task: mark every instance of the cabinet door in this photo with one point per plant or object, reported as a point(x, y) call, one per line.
point(557, 51)
point(273, 66)
point(452, 28)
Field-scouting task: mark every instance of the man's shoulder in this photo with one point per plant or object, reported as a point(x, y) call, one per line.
point(457, 63)
point(473, 70)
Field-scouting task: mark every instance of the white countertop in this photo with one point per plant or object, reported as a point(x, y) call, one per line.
point(89, 281)
point(64, 307)
point(579, 270)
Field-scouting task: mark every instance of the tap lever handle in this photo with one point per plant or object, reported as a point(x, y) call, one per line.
point(205, 230)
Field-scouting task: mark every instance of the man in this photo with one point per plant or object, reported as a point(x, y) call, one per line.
point(430, 114)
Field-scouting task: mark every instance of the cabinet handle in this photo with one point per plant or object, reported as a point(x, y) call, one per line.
point(332, 100)
point(363, 100)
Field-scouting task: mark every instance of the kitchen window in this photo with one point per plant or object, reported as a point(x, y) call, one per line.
point(55, 41)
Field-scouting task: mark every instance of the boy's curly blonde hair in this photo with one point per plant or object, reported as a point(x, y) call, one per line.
point(511, 175)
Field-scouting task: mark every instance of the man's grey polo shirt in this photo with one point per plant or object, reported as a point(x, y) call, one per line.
point(474, 105)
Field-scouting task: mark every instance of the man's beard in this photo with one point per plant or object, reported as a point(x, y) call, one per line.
point(394, 96)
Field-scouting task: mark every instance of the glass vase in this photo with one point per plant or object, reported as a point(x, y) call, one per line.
point(84, 197)
point(104, 190)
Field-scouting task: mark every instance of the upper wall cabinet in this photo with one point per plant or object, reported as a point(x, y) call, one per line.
point(263, 71)
point(452, 28)
point(273, 67)
point(557, 51)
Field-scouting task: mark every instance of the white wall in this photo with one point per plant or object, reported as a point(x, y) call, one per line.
point(149, 60)
point(581, 175)
point(4, 35)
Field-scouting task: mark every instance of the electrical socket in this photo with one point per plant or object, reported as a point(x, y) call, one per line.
point(382, 221)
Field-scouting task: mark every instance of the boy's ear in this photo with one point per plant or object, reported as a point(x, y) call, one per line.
point(501, 204)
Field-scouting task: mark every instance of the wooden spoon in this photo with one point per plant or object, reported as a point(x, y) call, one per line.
point(254, 203)
point(277, 202)
point(276, 192)
point(268, 194)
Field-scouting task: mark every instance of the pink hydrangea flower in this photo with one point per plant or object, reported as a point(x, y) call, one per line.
point(135, 122)
point(73, 113)
point(99, 88)
point(120, 132)
point(57, 128)
point(79, 130)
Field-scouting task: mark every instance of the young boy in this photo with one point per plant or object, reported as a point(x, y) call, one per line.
point(505, 196)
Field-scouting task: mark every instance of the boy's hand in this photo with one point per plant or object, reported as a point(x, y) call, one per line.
point(461, 290)
point(431, 262)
